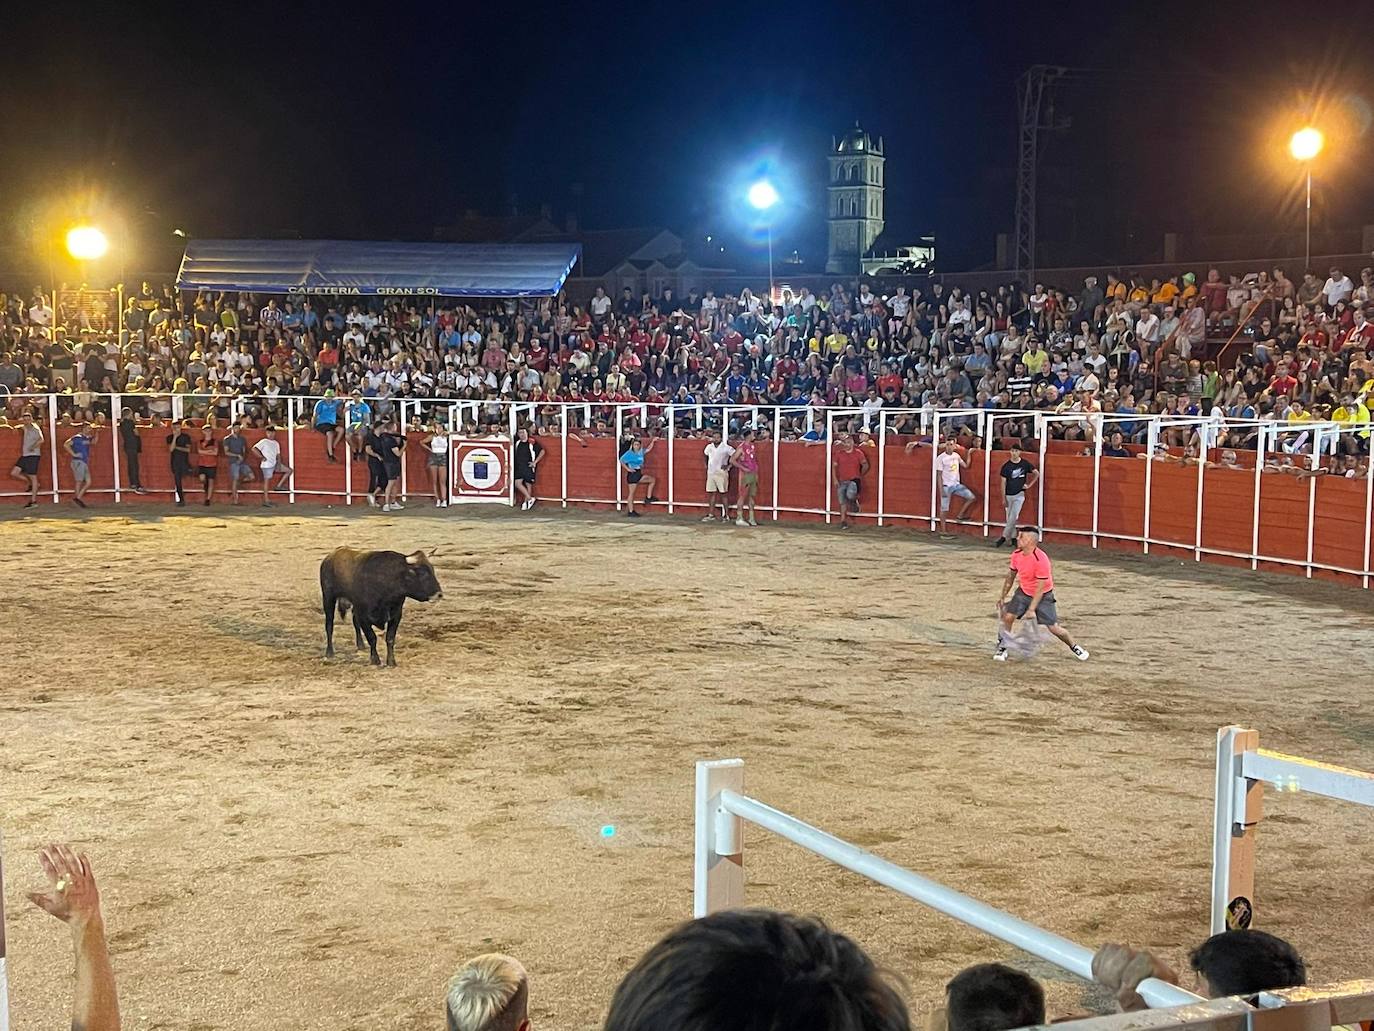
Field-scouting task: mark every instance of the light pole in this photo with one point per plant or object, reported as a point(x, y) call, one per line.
point(1305, 145)
point(764, 197)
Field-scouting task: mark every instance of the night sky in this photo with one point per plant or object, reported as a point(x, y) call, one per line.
point(386, 120)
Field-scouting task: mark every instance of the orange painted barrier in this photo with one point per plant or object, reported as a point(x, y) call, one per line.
point(1107, 509)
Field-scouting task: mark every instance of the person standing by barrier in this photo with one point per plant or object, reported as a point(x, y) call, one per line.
point(632, 461)
point(746, 460)
point(948, 463)
point(1018, 476)
point(207, 460)
point(850, 464)
point(376, 465)
point(717, 455)
point(528, 454)
point(436, 444)
point(132, 446)
point(78, 448)
point(236, 450)
point(30, 454)
point(393, 449)
point(269, 456)
point(359, 415)
point(179, 442)
point(1030, 571)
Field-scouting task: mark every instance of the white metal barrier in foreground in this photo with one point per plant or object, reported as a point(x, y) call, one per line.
point(1243, 769)
point(721, 810)
point(4, 974)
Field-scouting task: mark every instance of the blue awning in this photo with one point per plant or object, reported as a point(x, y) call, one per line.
point(351, 268)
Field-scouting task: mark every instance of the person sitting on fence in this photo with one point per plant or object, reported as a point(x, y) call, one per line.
point(1241, 962)
point(73, 898)
point(989, 997)
point(756, 968)
point(488, 993)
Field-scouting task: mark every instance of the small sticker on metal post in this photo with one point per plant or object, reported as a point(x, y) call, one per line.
point(1239, 914)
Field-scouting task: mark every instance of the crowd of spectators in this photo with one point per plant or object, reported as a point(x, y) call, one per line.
point(737, 970)
point(1301, 352)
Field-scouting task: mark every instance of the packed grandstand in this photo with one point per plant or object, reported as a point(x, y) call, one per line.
point(1257, 347)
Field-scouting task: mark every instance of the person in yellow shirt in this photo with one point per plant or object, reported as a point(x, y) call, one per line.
point(1035, 359)
point(1189, 287)
point(1164, 293)
point(1116, 289)
point(1138, 293)
point(836, 342)
point(814, 345)
point(1352, 410)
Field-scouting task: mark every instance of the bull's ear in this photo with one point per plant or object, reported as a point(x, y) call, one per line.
point(416, 558)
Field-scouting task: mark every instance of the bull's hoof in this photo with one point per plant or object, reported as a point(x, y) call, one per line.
point(376, 661)
point(391, 662)
point(329, 653)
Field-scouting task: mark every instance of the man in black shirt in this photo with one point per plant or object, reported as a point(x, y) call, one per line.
point(528, 453)
point(1017, 476)
point(132, 446)
point(375, 450)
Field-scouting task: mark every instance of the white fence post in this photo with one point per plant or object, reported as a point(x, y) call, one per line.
point(4, 974)
point(116, 413)
point(52, 444)
point(291, 446)
point(1239, 806)
point(719, 870)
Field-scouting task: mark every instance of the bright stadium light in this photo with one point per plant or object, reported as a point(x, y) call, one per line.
point(1306, 143)
point(87, 243)
point(762, 195)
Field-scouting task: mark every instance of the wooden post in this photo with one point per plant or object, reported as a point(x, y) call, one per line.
point(719, 879)
point(1239, 807)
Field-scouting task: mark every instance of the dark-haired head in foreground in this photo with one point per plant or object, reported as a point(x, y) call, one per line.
point(993, 997)
point(1247, 963)
point(756, 970)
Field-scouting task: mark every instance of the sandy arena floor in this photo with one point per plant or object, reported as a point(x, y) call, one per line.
point(289, 843)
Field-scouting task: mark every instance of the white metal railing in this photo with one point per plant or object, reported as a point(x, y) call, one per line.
point(1243, 770)
point(721, 810)
point(567, 419)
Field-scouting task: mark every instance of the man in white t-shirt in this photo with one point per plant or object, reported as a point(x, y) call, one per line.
point(269, 454)
point(1338, 288)
point(948, 463)
point(717, 455)
point(1147, 329)
point(600, 305)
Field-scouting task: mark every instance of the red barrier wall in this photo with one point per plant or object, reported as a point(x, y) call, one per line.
point(1338, 506)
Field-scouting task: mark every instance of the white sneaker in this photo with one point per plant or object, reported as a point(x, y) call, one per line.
point(386, 508)
point(1000, 655)
point(740, 522)
point(371, 501)
point(708, 519)
point(438, 503)
point(1080, 653)
point(443, 504)
point(396, 506)
point(752, 522)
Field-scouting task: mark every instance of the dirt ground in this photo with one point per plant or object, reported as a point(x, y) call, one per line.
point(286, 842)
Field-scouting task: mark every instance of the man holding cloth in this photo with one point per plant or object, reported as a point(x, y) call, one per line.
point(1034, 596)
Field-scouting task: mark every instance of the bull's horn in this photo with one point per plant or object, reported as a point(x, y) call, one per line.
point(415, 558)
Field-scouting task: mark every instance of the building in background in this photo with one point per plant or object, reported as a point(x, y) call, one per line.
point(855, 209)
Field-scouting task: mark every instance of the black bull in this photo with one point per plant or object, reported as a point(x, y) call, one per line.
point(376, 585)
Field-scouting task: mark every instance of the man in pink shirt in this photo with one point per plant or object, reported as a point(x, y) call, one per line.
point(1034, 596)
point(746, 460)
